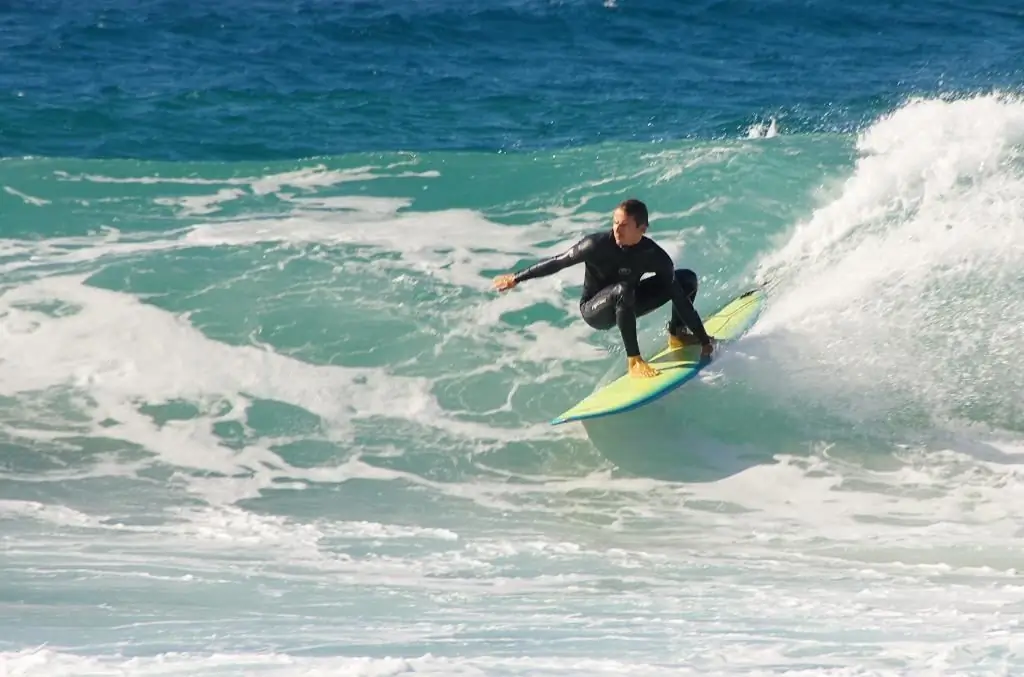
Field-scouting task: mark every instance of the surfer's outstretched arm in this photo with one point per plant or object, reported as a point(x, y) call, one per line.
point(549, 266)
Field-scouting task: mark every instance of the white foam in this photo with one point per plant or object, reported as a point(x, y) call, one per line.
point(124, 353)
point(805, 653)
point(439, 243)
point(763, 130)
point(196, 205)
point(907, 278)
point(239, 528)
point(44, 662)
point(28, 199)
point(915, 155)
point(306, 179)
point(368, 206)
point(55, 514)
point(453, 246)
point(317, 176)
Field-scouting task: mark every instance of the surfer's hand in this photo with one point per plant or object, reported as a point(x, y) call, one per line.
point(504, 282)
point(639, 368)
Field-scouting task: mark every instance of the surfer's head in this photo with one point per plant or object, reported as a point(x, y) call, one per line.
point(629, 222)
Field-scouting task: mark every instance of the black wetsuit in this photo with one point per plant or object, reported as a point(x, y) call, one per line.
point(613, 293)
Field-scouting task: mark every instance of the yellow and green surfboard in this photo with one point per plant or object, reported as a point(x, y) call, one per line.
point(676, 366)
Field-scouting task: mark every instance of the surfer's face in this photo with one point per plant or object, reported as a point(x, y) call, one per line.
point(625, 230)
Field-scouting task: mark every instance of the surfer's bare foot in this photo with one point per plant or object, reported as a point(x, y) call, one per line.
point(639, 368)
point(681, 341)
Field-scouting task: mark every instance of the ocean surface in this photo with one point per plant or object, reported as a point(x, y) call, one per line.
point(262, 412)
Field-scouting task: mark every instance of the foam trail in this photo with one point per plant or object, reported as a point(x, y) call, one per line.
point(908, 280)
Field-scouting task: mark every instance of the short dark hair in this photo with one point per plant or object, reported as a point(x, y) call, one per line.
point(636, 209)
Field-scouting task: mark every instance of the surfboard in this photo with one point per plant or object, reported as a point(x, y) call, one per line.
point(676, 366)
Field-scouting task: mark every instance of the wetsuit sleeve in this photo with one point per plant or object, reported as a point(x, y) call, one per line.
point(666, 275)
point(549, 266)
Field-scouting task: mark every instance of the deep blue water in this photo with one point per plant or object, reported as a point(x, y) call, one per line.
point(256, 80)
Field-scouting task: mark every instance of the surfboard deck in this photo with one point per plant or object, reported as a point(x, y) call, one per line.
point(676, 366)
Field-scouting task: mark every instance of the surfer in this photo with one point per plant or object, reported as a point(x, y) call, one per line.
point(613, 293)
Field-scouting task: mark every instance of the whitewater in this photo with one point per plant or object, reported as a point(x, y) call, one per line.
point(270, 418)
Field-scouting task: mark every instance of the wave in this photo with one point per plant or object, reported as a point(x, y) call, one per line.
point(303, 321)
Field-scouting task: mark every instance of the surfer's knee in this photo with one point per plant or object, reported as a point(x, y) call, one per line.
point(601, 321)
point(625, 297)
point(687, 279)
point(599, 312)
point(608, 306)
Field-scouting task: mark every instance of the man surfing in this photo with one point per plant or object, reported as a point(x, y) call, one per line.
point(613, 293)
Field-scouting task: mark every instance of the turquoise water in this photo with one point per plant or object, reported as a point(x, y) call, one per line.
point(263, 413)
